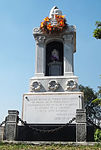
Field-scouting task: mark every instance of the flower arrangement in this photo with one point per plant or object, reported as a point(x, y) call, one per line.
point(47, 26)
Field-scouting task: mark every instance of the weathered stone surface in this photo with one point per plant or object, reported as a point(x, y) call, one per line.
point(81, 116)
point(1, 133)
point(11, 125)
point(10, 131)
point(81, 130)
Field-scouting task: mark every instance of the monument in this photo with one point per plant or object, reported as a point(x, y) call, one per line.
point(54, 100)
point(54, 94)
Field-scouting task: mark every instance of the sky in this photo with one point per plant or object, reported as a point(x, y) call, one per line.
point(17, 45)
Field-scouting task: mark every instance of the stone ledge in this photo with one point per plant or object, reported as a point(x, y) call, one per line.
point(52, 142)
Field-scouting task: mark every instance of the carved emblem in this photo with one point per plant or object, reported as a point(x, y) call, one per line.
point(36, 30)
point(40, 39)
point(36, 85)
point(71, 84)
point(67, 38)
point(53, 85)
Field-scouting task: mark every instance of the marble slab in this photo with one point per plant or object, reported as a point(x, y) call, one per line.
point(51, 108)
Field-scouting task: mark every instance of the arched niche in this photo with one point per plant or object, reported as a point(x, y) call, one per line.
point(54, 59)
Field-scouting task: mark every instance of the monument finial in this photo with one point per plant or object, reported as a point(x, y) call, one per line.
point(54, 11)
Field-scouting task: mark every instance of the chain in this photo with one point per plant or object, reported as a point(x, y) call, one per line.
point(2, 123)
point(47, 131)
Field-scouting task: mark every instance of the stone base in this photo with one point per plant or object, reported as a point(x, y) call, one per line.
point(51, 107)
point(65, 134)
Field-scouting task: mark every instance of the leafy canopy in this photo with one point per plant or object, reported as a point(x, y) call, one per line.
point(89, 94)
point(97, 31)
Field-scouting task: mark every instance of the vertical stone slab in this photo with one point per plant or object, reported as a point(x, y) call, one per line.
point(40, 55)
point(68, 55)
point(81, 125)
point(11, 125)
point(1, 133)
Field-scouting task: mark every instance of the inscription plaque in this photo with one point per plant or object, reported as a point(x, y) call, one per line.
point(50, 108)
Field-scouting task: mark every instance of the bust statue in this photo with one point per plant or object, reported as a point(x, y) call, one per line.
point(55, 55)
point(54, 11)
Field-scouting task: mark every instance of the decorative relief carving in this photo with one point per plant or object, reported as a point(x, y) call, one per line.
point(36, 85)
point(40, 39)
point(36, 30)
point(71, 28)
point(68, 38)
point(53, 85)
point(71, 84)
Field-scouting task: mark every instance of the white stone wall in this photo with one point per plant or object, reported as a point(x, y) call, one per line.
point(67, 38)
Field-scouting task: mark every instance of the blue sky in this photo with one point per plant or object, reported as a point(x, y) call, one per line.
point(17, 45)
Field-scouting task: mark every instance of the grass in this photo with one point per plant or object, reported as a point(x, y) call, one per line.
point(47, 147)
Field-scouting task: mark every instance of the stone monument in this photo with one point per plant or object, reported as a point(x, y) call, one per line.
point(54, 95)
point(53, 108)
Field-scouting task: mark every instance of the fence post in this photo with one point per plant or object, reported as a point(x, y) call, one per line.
point(1, 133)
point(11, 125)
point(81, 130)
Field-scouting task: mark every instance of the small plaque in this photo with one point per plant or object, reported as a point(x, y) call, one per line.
point(50, 108)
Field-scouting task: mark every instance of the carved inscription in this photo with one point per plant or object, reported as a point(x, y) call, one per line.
point(50, 108)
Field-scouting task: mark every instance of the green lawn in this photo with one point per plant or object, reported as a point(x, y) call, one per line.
point(46, 147)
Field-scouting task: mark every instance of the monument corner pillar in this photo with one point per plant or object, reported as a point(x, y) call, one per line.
point(81, 130)
point(11, 125)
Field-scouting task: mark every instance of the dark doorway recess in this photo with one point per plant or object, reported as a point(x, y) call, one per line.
point(54, 59)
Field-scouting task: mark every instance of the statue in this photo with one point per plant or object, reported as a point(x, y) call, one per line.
point(55, 55)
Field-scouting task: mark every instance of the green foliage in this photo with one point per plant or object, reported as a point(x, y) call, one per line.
point(97, 31)
point(92, 109)
point(72, 146)
point(89, 94)
point(97, 135)
point(97, 101)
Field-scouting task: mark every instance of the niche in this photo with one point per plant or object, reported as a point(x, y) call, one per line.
point(54, 59)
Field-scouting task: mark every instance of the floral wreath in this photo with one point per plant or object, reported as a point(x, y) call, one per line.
point(36, 86)
point(71, 84)
point(53, 85)
point(47, 27)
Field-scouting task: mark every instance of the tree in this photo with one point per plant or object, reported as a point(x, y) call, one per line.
point(97, 31)
point(97, 101)
point(89, 96)
point(92, 103)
